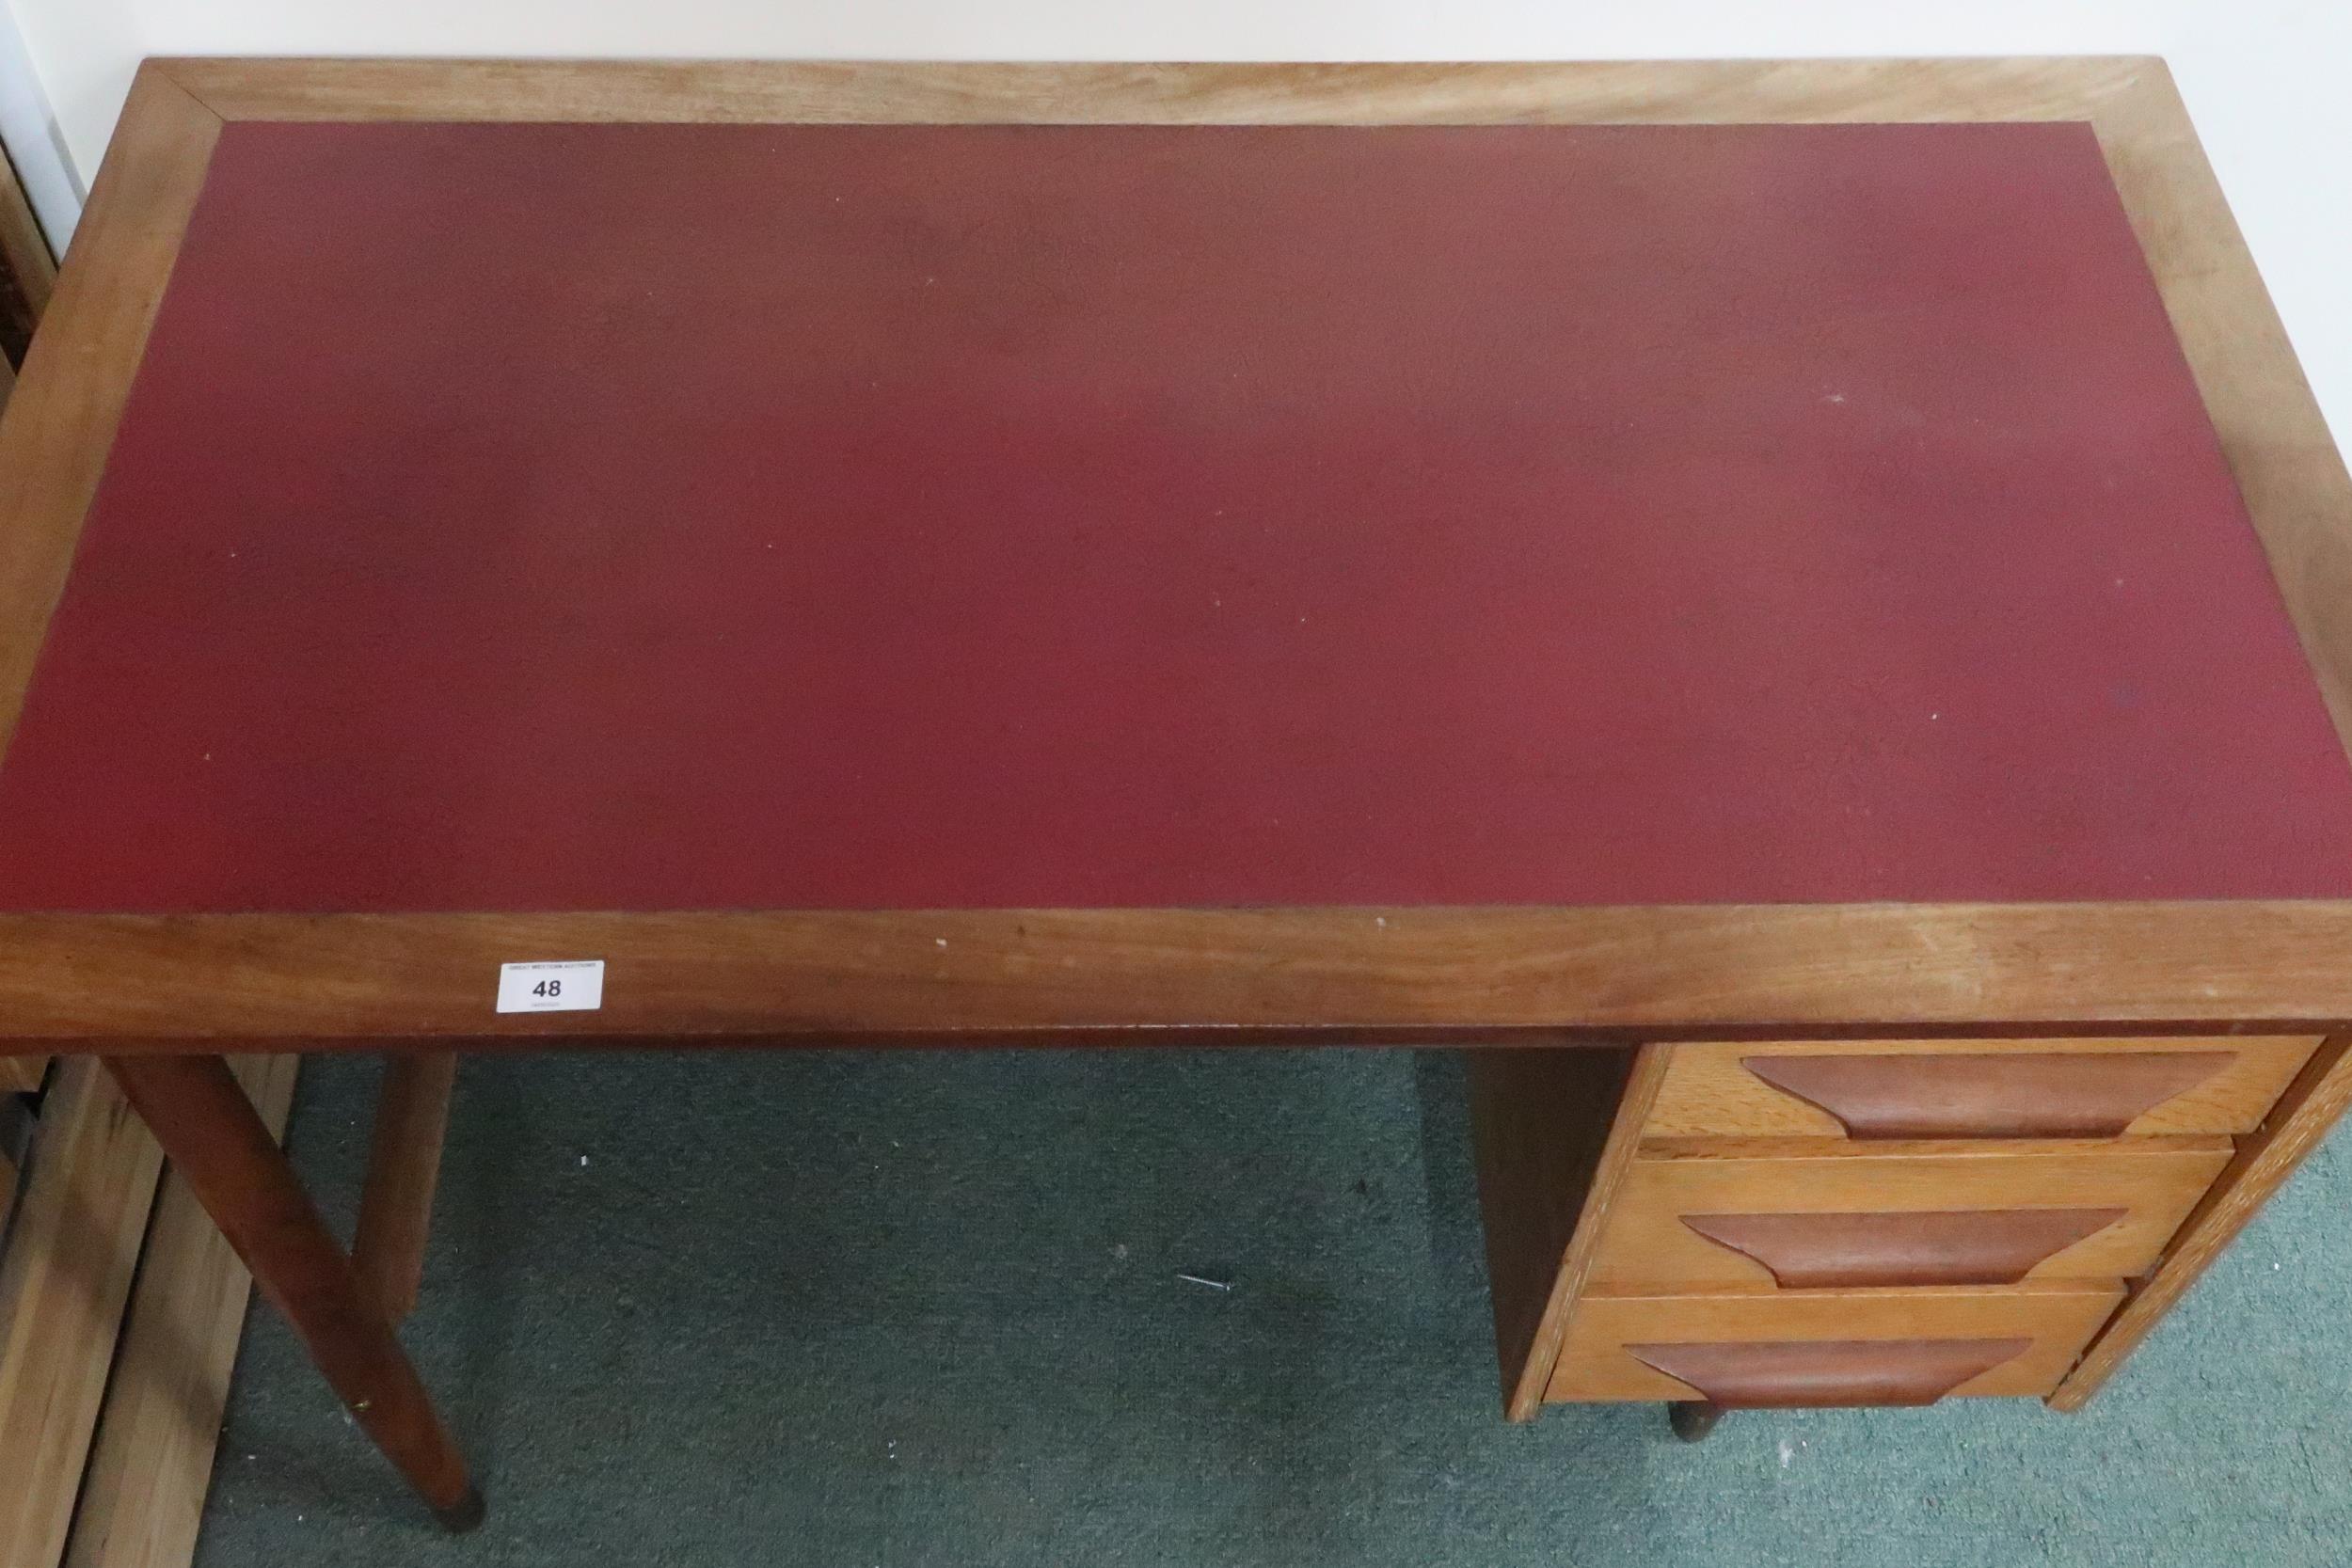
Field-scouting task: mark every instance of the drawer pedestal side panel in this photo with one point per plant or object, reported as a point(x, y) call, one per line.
point(1554, 1129)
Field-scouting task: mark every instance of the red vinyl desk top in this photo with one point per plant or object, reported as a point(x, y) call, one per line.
point(632, 518)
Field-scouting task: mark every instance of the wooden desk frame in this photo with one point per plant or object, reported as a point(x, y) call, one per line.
point(164, 996)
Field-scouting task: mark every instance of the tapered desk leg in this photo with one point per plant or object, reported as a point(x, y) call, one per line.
point(1693, 1419)
point(237, 1171)
point(404, 1166)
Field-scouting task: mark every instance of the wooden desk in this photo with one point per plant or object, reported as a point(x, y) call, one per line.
point(1767, 589)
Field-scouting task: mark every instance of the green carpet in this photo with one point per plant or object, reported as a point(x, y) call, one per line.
point(917, 1308)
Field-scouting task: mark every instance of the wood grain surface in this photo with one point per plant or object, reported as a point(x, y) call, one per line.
point(897, 92)
point(64, 1279)
point(2056, 1319)
point(1856, 1249)
point(2287, 464)
point(1709, 1091)
point(1809, 1374)
point(2264, 1160)
point(143, 1496)
point(2153, 1181)
point(222, 1148)
point(133, 983)
point(61, 417)
point(1553, 1131)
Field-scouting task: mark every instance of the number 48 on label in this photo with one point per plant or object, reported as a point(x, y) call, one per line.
point(572, 986)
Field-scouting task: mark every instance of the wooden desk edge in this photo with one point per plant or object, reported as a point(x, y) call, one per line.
point(122, 983)
point(1180, 92)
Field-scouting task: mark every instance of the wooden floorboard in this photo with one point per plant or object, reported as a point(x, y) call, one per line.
point(143, 1498)
point(64, 1278)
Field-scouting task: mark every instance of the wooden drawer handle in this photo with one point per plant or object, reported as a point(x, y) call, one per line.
point(1973, 1246)
point(1771, 1374)
point(2082, 1093)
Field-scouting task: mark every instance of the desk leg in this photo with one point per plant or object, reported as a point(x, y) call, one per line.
point(237, 1171)
point(1693, 1419)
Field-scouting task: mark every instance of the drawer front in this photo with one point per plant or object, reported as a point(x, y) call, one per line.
point(1796, 1215)
point(2045, 1089)
point(1828, 1349)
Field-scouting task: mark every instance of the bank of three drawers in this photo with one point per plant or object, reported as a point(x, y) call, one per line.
point(1867, 1222)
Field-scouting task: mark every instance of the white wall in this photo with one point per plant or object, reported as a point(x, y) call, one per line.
point(2263, 78)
